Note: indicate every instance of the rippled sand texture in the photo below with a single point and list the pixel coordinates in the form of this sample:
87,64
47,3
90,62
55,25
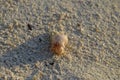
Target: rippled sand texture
92,26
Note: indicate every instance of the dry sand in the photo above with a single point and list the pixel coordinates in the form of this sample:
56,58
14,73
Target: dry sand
92,26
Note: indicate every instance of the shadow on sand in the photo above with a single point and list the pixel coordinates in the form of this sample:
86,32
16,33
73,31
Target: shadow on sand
33,50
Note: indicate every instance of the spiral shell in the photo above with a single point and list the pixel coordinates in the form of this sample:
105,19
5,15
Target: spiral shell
58,43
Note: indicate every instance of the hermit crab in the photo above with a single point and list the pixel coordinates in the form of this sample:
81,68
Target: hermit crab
58,42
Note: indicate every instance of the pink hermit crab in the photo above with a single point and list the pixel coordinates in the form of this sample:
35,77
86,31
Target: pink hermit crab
58,43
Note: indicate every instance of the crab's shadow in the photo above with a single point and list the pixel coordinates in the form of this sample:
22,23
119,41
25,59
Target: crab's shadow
33,50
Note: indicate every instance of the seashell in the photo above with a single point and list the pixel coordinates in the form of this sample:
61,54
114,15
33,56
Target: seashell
58,43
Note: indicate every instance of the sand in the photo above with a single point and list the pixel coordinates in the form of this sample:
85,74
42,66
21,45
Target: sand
92,26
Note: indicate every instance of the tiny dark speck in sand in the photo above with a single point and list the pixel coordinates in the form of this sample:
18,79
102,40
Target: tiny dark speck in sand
52,63
40,39
30,27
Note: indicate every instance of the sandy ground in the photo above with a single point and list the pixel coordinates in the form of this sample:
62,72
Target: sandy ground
92,26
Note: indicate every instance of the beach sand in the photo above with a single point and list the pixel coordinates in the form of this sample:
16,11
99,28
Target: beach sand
92,27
